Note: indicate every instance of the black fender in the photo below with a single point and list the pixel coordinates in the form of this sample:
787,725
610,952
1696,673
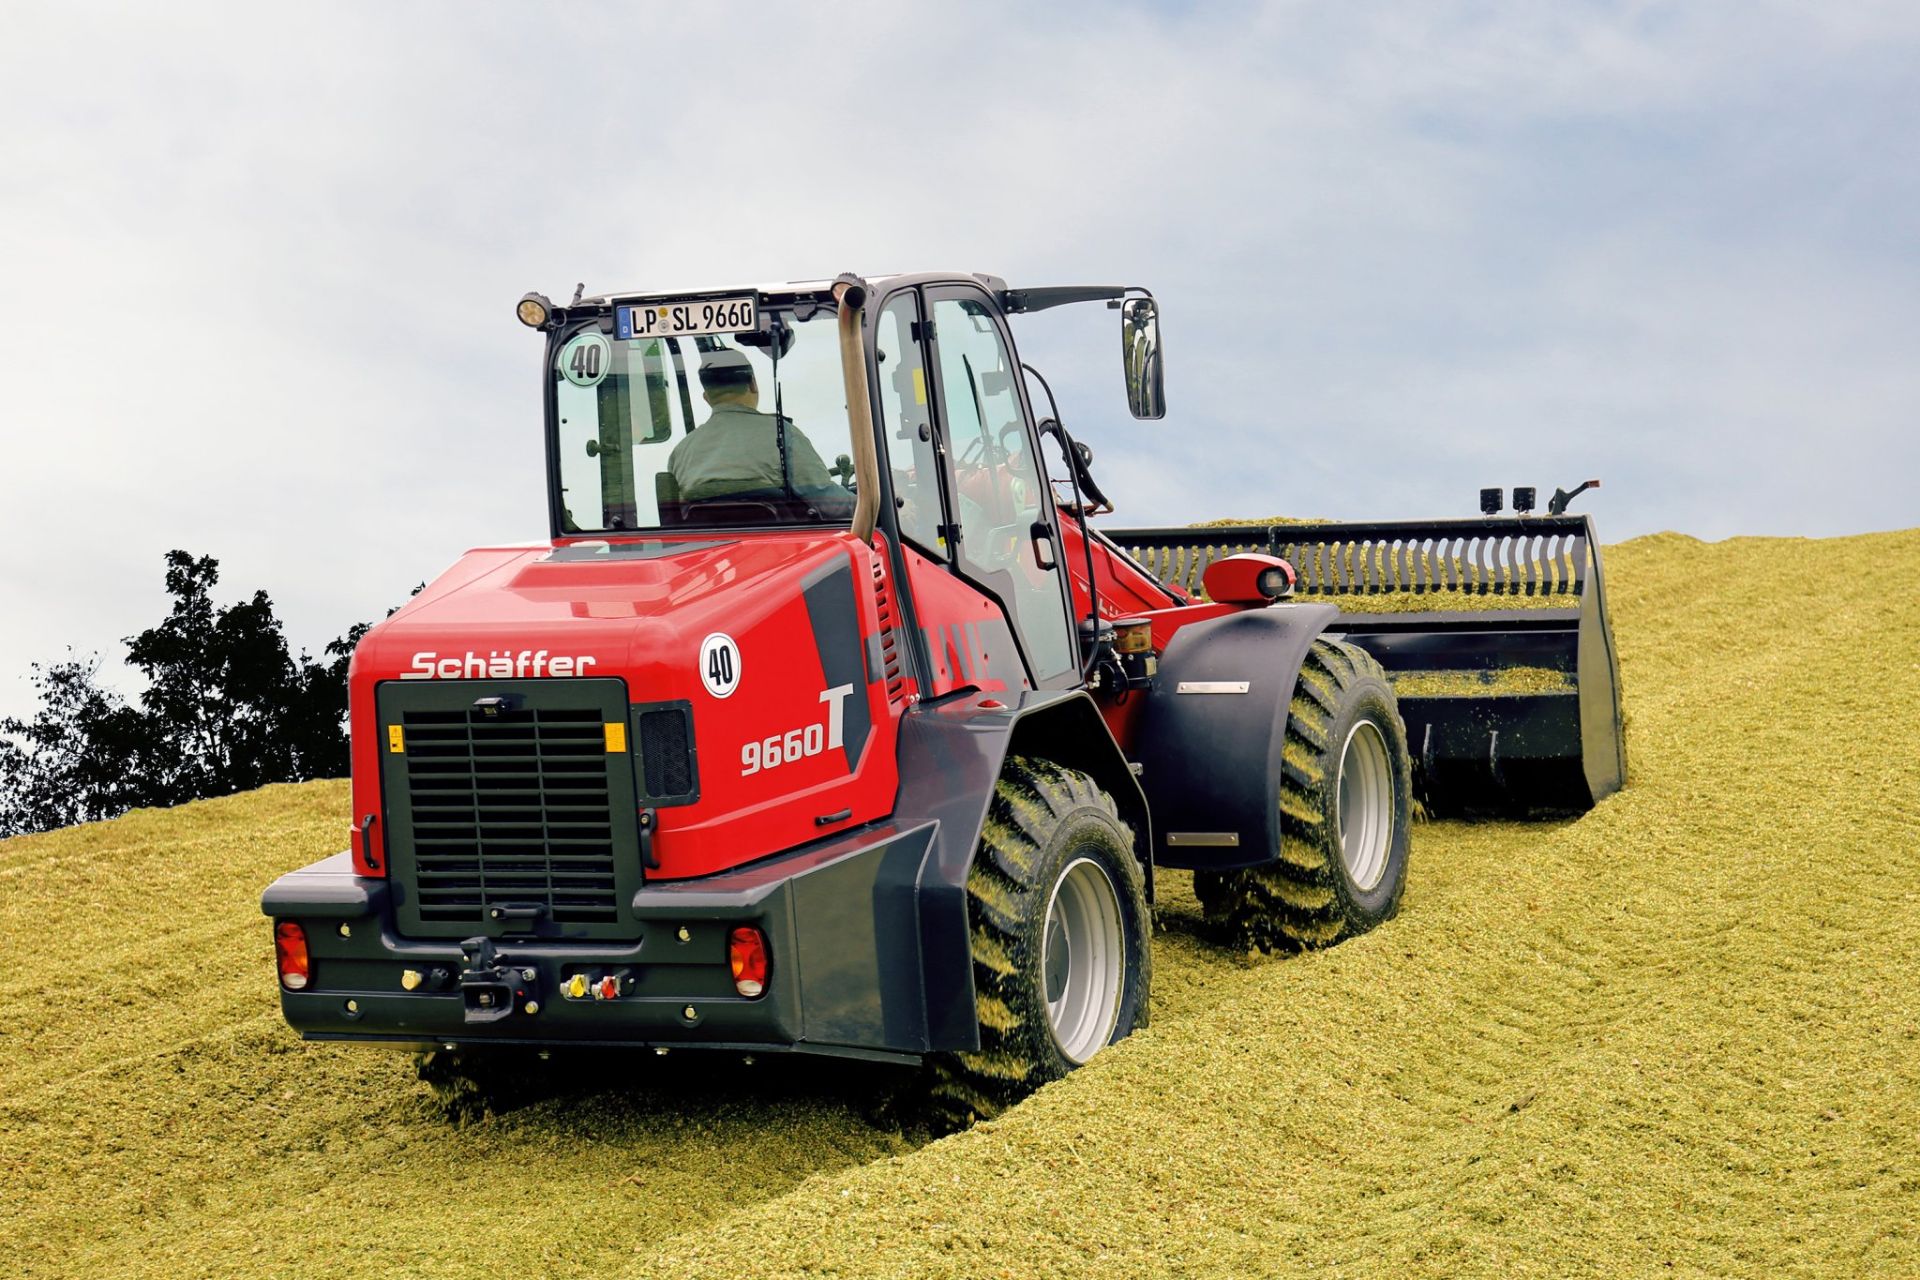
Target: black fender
951,753
1212,730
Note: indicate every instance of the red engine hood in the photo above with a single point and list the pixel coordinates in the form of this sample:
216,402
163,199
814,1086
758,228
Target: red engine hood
640,611
618,607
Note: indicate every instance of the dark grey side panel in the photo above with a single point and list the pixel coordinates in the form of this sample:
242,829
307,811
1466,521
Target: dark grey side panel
858,937
1211,759
950,758
835,616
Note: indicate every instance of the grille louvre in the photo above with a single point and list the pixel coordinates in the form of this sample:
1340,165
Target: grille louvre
511,810
890,665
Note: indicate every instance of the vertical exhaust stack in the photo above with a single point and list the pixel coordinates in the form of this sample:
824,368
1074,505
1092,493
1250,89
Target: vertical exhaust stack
850,292
1494,633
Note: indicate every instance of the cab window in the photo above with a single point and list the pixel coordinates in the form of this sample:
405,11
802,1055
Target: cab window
998,493
728,429
906,422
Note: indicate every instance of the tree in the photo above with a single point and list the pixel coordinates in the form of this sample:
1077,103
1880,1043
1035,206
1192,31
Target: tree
227,707
53,772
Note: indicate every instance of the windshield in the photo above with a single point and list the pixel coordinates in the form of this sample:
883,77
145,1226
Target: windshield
735,429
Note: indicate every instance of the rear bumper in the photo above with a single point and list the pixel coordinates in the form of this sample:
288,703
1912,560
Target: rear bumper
841,919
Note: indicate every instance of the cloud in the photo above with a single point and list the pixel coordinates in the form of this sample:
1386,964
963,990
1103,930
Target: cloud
262,259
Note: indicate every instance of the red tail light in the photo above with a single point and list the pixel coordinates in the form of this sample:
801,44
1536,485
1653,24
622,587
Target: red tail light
747,953
290,951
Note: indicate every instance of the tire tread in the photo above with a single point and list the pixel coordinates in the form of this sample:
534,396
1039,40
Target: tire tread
1031,800
1291,904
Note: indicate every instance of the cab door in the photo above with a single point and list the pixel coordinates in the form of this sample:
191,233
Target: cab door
999,508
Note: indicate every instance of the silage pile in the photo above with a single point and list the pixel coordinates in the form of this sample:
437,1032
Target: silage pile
1679,1036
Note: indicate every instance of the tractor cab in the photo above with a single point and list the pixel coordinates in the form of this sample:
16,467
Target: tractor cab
728,411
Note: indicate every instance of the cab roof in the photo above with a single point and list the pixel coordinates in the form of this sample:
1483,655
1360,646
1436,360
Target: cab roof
803,288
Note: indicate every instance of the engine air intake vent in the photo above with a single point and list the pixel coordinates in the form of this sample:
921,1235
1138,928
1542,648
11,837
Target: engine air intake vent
667,772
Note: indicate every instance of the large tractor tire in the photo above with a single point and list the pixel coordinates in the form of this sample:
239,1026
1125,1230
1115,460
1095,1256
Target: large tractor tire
1062,957
1346,800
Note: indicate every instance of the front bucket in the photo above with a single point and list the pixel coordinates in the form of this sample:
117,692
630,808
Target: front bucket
1494,633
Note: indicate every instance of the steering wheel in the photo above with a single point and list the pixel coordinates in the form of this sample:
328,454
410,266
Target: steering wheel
976,453
1000,438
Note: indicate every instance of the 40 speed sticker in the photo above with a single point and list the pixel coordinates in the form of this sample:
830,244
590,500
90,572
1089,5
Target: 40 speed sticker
586,359
720,664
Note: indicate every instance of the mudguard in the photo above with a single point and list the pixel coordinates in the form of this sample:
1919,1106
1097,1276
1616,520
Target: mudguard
1212,731
951,753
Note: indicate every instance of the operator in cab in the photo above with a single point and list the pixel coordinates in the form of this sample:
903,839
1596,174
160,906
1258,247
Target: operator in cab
742,453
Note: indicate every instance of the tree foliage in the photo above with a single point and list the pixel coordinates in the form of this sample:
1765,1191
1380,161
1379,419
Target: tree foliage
227,707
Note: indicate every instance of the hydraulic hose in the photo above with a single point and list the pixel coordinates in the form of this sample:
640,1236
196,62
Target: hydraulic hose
850,292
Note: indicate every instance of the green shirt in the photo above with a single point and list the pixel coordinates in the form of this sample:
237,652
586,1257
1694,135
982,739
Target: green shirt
737,450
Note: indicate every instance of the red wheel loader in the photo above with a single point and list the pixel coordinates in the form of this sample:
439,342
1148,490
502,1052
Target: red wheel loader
825,722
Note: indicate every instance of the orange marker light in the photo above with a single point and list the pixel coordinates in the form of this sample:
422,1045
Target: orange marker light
290,952
747,953
1133,635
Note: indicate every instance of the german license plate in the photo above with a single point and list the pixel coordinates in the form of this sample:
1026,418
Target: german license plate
687,318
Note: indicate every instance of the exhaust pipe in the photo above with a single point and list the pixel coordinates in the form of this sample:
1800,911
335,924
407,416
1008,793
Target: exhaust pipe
851,292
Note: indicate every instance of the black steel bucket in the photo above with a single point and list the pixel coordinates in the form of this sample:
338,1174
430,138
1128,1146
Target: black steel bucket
1493,631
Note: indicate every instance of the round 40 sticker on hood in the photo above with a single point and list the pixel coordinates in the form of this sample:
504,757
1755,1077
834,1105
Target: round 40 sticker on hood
720,664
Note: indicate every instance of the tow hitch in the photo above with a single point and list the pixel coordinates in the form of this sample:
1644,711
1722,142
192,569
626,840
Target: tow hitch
491,990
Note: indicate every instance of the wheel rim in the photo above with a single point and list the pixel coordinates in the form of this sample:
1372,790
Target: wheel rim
1366,805
1081,954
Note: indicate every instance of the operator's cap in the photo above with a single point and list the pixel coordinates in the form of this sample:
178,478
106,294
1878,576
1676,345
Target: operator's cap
724,367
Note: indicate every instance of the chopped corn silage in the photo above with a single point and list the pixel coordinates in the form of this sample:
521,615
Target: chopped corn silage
1443,601
1496,683
1678,1036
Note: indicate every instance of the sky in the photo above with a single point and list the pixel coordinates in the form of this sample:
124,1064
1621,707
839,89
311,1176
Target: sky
260,260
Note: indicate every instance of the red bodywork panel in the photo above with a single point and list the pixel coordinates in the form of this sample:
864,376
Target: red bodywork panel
967,635
518,612
644,620
1128,591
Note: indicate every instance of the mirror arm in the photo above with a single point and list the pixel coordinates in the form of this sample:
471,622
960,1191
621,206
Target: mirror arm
1052,426
1023,301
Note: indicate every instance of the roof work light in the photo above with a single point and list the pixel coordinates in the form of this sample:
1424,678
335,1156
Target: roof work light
534,309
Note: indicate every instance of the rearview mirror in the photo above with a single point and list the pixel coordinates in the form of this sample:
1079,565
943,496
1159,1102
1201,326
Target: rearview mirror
1140,357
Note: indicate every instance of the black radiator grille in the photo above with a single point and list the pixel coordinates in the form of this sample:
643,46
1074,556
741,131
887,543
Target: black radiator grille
511,810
